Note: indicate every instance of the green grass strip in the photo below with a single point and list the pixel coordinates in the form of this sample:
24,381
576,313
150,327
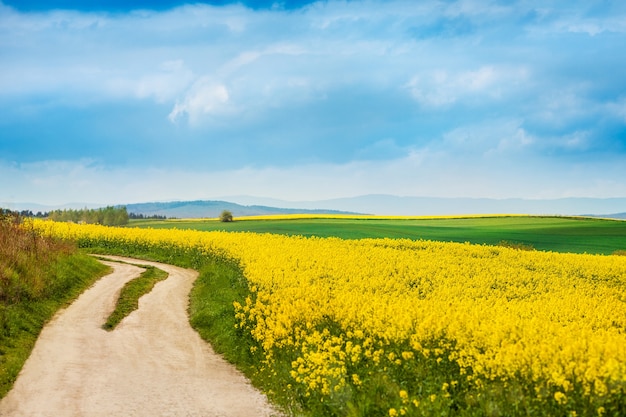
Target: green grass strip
211,314
128,300
211,310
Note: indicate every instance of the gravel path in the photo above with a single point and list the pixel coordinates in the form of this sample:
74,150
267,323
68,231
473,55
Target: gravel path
152,364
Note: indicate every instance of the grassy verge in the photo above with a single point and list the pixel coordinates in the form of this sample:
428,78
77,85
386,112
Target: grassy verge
211,310
128,300
211,314
21,321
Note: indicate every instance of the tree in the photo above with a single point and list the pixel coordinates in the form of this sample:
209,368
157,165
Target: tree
226,216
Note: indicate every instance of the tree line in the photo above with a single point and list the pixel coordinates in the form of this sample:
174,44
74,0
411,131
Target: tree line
23,213
140,216
108,216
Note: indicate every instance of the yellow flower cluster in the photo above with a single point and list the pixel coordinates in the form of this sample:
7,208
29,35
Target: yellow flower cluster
558,320
549,317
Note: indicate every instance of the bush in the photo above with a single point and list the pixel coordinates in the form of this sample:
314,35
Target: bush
226,216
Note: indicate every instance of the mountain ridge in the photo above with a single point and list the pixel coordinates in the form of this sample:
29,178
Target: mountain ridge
213,208
365,204
382,204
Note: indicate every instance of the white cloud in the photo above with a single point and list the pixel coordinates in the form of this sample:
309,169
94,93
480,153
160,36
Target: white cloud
478,8
515,141
561,106
492,138
440,88
313,43
205,97
425,172
578,140
322,65
143,54
162,84
592,26
383,149
617,108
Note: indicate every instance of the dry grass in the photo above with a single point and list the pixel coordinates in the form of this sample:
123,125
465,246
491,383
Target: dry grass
24,260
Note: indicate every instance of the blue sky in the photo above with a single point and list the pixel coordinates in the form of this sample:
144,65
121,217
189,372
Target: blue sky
119,102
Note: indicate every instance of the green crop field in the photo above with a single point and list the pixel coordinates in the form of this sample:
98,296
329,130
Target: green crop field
560,234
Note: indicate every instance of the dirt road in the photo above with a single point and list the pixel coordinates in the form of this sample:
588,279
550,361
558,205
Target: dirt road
152,364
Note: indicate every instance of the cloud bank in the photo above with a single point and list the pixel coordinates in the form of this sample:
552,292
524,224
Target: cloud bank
462,98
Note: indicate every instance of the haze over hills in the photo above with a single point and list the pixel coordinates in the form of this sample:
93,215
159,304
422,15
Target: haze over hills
397,205
418,206
366,204
213,208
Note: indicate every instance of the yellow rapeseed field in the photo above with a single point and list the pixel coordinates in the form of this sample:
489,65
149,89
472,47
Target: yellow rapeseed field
345,307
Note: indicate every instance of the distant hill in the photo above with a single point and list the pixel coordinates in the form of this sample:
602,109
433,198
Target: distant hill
426,206
609,216
213,208
366,204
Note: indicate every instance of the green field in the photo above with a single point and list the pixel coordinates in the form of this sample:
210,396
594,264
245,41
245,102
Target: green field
560,234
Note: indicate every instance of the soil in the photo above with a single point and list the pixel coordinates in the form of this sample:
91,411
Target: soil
152,364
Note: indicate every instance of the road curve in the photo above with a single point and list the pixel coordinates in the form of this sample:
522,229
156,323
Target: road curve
152,364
